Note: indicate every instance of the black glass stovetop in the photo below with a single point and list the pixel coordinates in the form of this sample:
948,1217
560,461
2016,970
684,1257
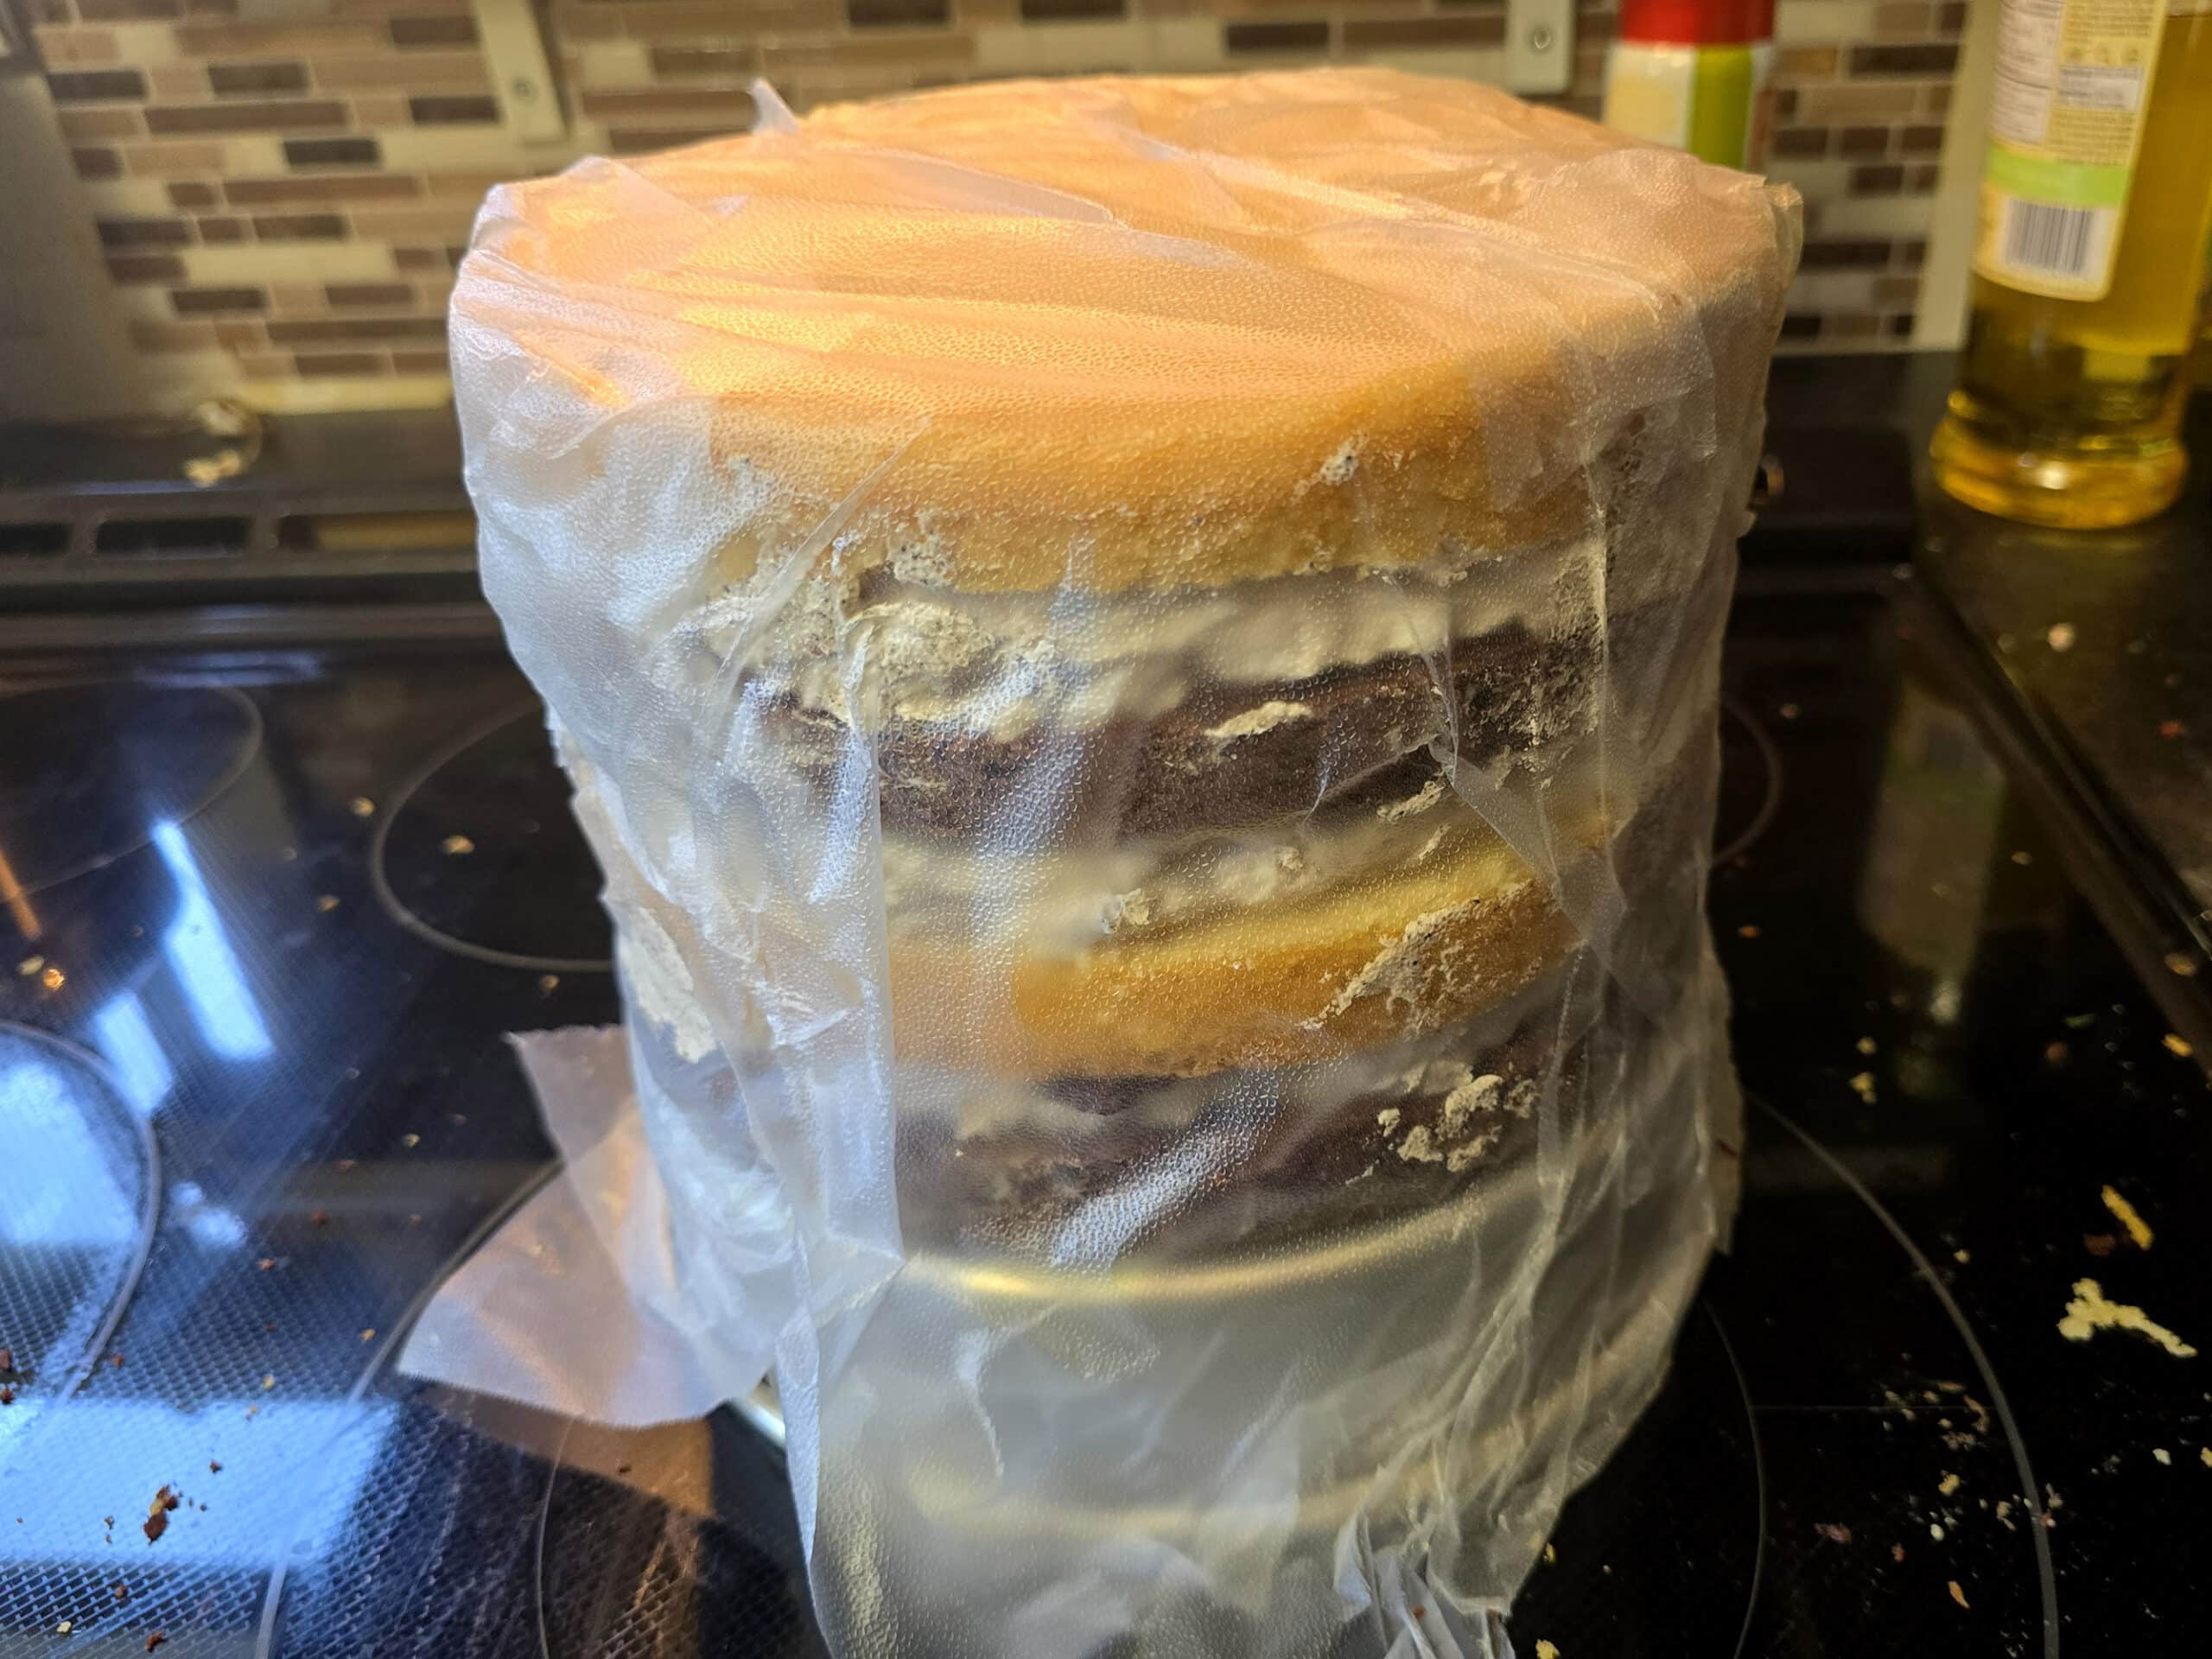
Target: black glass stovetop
265,914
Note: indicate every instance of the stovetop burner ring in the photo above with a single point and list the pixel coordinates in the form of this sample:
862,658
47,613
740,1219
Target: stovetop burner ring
157,776
400,912
1770,799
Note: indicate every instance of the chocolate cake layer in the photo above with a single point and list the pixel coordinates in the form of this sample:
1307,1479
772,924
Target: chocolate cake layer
1228,756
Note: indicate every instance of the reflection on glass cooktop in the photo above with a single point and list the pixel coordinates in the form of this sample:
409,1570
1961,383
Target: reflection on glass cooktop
261,942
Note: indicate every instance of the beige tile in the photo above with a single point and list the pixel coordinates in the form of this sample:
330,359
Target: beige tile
1903,19
411,72
183,82
70,47
1846,101
281,39
297,300
373,111
306,265
93,124
180,158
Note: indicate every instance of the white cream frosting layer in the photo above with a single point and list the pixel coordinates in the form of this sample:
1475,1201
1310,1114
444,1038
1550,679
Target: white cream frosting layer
999,664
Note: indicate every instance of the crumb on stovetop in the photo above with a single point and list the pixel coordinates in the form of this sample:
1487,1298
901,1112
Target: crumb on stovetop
2124,1213
156,1640
1834,1531
2181,1047
1957,1594
2088,1312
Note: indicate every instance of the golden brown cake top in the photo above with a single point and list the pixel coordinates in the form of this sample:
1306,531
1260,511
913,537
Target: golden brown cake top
1117,332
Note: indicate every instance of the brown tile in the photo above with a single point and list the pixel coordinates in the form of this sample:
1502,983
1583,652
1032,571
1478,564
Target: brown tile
137,269
258,78
1895,290
1935,100
239,334
1951,17
298,299
280,40
1365,34
390,297
95,86
445,109
1785,103
700,102
288,115
643,141
1246,39
434,31
1845,101
47,11
418,259
203,302
142,232
1869,254
402,71
300,227
1920,141
683,62
319,331
1800,325
1903,19
266,365
1877,180
421,362
150,336
1922,178
1930,58
180,158
129,11
1808,62
1860,142
881,13
1799,142
321,186
91,162
1900,326
402,8
1850,324
1913,253
177,82
1045,10
320,363
219,228
89,126
194,196
333,152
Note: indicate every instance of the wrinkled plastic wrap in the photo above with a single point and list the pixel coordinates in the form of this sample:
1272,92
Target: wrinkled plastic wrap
1141,658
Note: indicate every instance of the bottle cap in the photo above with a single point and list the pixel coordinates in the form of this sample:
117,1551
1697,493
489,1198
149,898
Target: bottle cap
1696,22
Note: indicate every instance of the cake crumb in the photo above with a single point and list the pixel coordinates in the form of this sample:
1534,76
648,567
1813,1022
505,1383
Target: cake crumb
2164,1457
30,965
456,846
327,903
1834,1531
1896,1552
1748,931
2124,1212
1935,1530
361,807
2004,1516
1415,1147
1551,1553
1957,1594
2180,966
1265,718
2181,1047
2088,1312
1949,1484
1546,1649
1866,1044
1863,1086
2060,636
1962,1256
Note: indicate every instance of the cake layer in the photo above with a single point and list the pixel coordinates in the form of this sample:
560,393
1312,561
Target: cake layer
1097,335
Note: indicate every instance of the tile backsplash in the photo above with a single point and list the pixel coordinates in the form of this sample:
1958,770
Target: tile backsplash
281,200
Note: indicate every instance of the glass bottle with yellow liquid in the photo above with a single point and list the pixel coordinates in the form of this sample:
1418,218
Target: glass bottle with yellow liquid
2096,204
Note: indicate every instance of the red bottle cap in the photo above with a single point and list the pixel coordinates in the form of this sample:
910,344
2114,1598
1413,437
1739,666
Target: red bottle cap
1696,22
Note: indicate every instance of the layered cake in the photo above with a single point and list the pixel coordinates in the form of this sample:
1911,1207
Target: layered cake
1179,614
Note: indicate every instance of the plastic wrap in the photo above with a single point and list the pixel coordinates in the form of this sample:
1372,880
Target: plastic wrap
1141,659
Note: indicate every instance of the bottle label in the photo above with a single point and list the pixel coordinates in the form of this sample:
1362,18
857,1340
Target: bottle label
2065,119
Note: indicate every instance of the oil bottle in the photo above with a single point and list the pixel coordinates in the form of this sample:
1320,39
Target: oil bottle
2089,263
